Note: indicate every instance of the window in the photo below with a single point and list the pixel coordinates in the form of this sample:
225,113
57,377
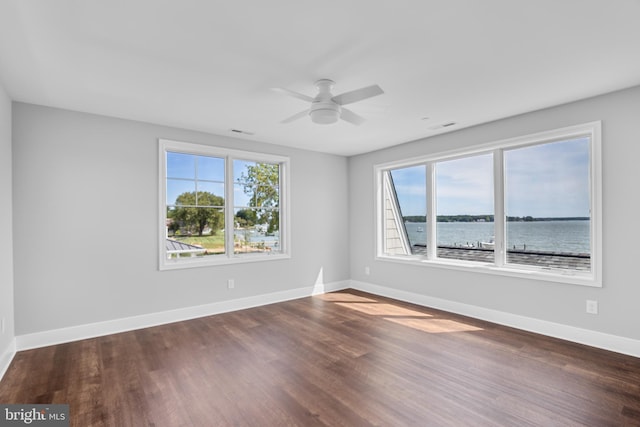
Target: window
220,206
527,207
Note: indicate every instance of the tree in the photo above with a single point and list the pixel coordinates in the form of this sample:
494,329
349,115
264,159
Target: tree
246,217
197,214
261,182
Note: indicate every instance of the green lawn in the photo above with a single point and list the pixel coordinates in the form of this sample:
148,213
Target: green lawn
211,243
215,244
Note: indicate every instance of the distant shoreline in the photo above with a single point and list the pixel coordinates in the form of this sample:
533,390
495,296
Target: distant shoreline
563,236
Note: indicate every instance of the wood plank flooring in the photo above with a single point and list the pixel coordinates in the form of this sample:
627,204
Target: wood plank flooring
341,359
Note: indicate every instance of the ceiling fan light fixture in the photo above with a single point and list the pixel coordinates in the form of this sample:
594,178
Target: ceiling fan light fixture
324,112
324,116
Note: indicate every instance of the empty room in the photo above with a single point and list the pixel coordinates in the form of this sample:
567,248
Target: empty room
327,213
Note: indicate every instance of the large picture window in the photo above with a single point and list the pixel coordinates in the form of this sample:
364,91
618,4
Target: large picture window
528,207
220,206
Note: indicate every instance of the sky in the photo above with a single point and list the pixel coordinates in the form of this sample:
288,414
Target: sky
185,172
547,180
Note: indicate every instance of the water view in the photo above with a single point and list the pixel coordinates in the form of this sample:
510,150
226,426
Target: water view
571,236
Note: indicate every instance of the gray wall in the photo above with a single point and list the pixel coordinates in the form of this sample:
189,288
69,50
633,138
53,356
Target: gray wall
85,222
6,229
553,302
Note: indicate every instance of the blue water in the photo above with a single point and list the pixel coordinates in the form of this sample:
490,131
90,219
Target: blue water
559,236
255,236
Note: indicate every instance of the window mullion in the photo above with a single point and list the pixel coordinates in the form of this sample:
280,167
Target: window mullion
499,213
432,239
229,218
195,182
164,232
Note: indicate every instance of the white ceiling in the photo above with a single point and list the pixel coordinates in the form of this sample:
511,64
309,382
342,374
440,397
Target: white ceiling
209,65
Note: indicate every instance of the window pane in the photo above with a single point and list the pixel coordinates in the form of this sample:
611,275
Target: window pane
210,193
547,204
266,196
210,169
256,184
410,188
176,187
256,231
253,173
240,198
194,232
240,170
256,195
181,165
464,208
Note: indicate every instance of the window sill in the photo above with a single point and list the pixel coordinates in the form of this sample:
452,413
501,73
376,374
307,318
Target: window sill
219,260
558,276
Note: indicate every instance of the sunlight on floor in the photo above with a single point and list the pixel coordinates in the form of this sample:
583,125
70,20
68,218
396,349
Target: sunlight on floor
434,326
340,297
398,314
383,309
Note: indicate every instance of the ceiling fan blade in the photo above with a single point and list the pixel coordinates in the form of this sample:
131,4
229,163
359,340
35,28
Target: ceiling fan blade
357,95
292,93
296,116
351,117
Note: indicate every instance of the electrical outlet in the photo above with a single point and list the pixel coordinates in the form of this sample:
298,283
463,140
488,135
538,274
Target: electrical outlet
231,284
367,271
592,307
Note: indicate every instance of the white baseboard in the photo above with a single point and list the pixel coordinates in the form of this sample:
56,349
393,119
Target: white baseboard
58,336
75,333
569,333
6,357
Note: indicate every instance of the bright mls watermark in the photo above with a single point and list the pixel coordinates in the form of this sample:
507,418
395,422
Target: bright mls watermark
34,415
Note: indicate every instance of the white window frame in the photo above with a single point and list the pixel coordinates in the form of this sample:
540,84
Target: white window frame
229,155
593,278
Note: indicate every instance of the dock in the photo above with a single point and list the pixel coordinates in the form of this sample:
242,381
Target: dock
555,260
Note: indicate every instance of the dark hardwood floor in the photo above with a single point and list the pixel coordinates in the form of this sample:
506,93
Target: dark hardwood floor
340,359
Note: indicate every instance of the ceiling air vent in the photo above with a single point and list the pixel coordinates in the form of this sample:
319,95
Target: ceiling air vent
243,132
442,125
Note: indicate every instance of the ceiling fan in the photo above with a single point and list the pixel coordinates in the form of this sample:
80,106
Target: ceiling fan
326,108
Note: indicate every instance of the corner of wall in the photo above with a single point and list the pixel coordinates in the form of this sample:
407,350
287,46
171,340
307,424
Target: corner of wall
6,357
7,334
